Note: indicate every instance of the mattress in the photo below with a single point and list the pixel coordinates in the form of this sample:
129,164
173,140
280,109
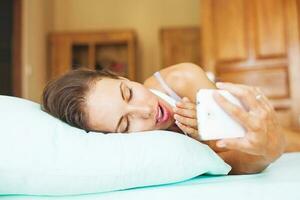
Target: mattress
281,180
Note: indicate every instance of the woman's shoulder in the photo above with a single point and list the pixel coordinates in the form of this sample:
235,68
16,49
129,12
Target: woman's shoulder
179,77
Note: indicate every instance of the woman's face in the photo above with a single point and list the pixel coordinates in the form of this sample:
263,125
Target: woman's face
121,105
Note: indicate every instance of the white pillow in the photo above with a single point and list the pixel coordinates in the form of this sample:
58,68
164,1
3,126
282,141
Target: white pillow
40,155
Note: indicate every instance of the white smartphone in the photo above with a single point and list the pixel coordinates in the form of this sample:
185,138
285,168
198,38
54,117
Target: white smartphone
213,122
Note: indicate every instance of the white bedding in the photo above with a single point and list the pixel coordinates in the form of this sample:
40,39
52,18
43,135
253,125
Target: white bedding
279,181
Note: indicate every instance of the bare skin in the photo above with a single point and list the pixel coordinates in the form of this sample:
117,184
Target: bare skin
126,106
249,155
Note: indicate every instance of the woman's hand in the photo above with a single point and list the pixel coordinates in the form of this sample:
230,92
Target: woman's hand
186,117
264,135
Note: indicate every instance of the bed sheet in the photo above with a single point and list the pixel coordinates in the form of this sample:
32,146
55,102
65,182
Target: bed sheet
281,180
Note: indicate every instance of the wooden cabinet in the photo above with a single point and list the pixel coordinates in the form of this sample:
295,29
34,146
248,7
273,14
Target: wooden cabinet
180,44
257,43
96,50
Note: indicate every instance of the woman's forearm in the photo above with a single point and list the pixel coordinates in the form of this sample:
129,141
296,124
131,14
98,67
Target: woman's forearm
243,163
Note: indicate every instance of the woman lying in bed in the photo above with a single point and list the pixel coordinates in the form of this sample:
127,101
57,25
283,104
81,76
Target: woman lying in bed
102,101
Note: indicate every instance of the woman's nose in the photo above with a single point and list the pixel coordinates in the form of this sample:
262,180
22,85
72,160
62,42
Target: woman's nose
142,111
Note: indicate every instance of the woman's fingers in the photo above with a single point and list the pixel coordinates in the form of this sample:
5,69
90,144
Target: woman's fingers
190,131
237,113
251,97
263,133
264,100
239,144
186,117
186,121
185,112
186,104
233,144
244,93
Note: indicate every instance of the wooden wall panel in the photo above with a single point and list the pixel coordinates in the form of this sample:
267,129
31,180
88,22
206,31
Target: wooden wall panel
60,56
274,83
270,28
256,42
180,44
229,24
292,8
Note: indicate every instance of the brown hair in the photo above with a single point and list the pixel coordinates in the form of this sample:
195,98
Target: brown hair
64,97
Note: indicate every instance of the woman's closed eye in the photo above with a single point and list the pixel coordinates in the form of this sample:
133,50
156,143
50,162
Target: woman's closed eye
128,97
127,126
129,94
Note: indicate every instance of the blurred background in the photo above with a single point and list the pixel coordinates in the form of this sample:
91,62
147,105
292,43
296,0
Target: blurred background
253,42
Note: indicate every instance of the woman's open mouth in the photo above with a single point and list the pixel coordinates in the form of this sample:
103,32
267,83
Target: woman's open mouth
162,114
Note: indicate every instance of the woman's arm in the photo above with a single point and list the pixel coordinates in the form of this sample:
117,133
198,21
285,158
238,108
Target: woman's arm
264,140
186,79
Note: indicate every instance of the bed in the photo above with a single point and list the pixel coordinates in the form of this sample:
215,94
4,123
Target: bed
281,180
